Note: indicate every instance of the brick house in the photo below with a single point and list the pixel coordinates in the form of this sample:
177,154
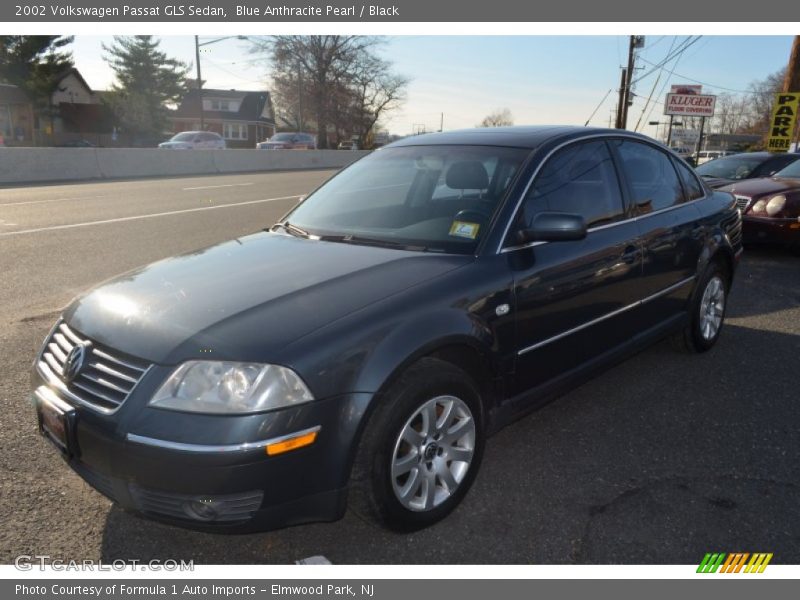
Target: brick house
242,118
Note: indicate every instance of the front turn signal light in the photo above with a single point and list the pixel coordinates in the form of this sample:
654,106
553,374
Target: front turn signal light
292,442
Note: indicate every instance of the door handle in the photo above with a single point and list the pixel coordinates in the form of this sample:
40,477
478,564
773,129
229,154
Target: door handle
630,254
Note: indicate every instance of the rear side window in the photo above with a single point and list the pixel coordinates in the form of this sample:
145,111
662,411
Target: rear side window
775,164
652,179
579,179
691,185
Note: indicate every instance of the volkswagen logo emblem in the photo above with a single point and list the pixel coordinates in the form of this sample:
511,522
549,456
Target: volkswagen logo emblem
75,360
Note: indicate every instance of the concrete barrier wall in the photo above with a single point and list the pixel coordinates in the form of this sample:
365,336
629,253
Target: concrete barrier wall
31,165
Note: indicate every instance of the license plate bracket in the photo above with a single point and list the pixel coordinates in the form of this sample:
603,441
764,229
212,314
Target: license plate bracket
57,422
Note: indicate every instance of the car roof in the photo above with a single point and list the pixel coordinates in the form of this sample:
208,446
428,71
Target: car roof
518,136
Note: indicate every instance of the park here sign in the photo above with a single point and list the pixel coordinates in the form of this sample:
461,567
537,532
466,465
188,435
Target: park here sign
784,115
690,105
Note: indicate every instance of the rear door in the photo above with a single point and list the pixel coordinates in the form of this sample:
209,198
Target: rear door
663,192
573,298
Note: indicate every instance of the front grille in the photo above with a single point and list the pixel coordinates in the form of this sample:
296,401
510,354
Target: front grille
742,202
229,507
106,378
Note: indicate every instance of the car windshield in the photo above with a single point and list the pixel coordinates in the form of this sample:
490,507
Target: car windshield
730,167
793,170
183,137
438,198
281,137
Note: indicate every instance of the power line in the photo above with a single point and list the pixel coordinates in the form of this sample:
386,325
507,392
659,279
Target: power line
716,87
685,45
653,89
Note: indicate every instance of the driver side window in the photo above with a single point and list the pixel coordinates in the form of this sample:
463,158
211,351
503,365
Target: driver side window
579,179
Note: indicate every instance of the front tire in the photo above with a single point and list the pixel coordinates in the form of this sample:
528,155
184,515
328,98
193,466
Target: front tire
421,449
706,311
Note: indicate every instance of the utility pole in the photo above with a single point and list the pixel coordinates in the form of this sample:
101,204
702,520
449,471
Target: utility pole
625,95
441,123
199,80
621,100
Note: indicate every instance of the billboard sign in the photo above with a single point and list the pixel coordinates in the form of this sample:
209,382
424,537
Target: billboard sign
690,105
686,136
781,127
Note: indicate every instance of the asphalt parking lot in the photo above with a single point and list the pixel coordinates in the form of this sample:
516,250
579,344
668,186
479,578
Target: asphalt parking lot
659,460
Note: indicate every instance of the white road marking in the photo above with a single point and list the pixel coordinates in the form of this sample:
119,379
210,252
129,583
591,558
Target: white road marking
148,216
54,200
213,187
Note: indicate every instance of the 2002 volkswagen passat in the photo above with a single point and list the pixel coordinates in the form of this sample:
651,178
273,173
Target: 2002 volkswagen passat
364,347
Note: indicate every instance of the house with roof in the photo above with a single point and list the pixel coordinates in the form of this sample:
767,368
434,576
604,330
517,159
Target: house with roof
78,111
243,118
16,116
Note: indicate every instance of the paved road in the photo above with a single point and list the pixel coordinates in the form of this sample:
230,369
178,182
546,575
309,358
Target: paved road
659,460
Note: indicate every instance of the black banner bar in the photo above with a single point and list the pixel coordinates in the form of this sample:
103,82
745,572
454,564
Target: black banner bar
341,11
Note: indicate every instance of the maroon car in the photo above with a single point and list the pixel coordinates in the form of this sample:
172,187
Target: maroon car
770,207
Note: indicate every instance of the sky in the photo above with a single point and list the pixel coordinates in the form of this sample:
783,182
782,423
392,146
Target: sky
540,79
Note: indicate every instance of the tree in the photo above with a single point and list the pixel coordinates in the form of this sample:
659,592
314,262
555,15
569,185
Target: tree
499,118
330,80
147,82
762,96
34,62
376,91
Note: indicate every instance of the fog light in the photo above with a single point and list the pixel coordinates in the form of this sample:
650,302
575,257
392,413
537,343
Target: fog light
201,509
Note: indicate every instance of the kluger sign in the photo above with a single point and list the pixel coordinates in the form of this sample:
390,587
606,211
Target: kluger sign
690,105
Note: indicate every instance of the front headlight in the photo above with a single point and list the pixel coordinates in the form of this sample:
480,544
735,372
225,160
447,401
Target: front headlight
230,388
776,204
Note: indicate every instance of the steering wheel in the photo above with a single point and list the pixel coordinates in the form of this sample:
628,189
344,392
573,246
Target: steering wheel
472,214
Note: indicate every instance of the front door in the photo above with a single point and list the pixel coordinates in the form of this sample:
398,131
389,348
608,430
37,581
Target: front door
573,299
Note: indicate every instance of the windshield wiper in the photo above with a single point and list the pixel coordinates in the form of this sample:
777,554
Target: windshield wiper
292,229
368,241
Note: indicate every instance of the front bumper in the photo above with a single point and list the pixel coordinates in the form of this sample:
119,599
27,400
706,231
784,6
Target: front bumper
165,464
770,230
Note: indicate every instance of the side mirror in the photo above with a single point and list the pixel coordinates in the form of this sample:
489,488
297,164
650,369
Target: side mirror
553,227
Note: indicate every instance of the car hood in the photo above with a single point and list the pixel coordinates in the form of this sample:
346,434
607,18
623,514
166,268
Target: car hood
759,187
717,182
245,299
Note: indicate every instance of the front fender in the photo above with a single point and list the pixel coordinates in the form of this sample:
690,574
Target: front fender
420,337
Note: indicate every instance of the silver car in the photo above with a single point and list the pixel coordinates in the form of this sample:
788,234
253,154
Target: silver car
194,140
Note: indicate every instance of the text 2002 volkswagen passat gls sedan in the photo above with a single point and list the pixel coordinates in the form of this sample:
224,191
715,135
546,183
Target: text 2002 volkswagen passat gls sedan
363,348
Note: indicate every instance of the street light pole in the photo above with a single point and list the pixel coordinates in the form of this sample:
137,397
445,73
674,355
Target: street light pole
199,80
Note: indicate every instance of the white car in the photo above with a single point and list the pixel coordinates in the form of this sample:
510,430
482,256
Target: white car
194,140
708,155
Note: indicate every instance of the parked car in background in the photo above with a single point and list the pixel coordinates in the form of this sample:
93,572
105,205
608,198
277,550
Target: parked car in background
194,140
682,151
705,156
348,145
747,165
77,144
770,207
363,348
289,141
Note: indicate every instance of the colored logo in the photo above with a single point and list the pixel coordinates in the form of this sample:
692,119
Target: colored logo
738,562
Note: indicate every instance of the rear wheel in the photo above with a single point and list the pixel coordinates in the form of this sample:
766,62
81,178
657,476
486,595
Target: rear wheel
706,311
421,449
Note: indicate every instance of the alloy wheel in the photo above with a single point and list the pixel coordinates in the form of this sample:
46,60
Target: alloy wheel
433,453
